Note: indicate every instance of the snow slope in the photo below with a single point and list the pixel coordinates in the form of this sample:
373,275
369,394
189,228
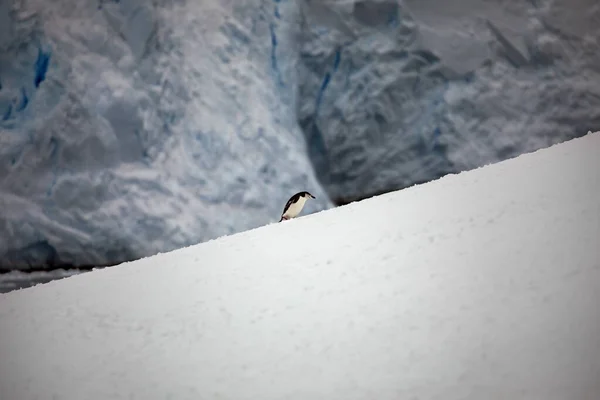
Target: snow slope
129,127
491,293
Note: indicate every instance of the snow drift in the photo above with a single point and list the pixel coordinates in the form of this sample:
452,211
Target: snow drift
492,293
131,127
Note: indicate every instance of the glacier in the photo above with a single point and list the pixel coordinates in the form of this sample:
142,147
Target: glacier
398,93
129,128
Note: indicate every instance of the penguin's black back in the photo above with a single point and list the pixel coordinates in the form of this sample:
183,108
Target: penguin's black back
293,200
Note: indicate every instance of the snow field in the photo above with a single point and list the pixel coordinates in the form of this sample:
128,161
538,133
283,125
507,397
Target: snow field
484,284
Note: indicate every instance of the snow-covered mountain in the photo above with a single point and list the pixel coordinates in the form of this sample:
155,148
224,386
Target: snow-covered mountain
491,294
130,127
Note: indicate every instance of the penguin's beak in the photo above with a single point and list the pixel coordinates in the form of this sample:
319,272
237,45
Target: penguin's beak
312,196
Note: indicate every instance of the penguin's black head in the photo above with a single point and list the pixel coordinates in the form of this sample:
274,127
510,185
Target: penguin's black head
307,195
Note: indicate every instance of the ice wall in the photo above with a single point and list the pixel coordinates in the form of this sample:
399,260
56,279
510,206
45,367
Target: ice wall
396,93
130,127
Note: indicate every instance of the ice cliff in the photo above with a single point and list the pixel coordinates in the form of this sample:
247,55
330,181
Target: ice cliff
396,93
131,127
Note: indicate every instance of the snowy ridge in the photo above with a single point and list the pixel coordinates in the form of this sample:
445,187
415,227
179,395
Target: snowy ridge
490,294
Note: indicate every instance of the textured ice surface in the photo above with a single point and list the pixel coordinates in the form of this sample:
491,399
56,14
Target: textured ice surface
409,91
130,127
490,294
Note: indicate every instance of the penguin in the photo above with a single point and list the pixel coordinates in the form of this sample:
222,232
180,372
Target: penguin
294,205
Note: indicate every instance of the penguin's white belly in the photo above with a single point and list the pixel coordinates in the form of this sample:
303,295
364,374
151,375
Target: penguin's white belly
295,208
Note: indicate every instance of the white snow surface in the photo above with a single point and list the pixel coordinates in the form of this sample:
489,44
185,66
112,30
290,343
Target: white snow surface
491,293
130,127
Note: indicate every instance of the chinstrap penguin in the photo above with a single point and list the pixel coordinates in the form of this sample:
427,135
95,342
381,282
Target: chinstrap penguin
294,205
